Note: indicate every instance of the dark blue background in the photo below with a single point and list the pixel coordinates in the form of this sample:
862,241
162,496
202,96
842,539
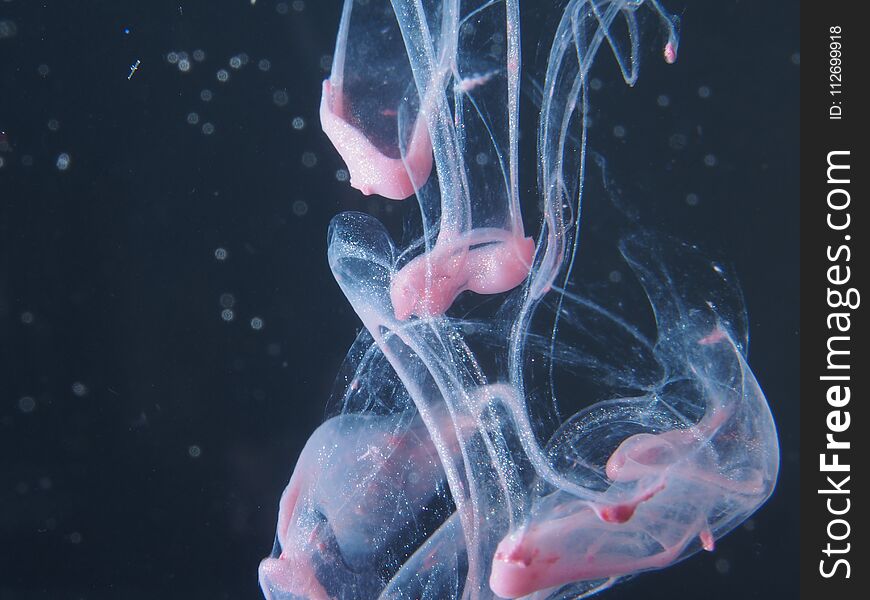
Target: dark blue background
108,279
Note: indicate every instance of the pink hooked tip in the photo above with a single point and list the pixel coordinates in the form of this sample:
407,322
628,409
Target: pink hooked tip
371,171
670,53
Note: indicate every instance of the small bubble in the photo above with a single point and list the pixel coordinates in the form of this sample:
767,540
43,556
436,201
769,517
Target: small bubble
281,8
723,566
194,451
207,128
221,254
273,349
298,5
26,404
75,537
264,65
677,141
309,159
206,95
692,199
192,118
235,62
198,55
481,158
663,101
342,175
45,483
227,300
595,84
298,123
256,323
795,58
222,75
227,315
280,98
619,131
8,29
63,161
704,92
184,65
615,276
43,70
27,317
53,124
172,58
300,208
79,389
2,162
710,160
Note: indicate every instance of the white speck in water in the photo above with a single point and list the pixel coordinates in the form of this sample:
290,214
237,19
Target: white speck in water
280,97
309,159
300,208
227,300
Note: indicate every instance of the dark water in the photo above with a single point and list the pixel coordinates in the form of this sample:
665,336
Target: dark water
169,328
